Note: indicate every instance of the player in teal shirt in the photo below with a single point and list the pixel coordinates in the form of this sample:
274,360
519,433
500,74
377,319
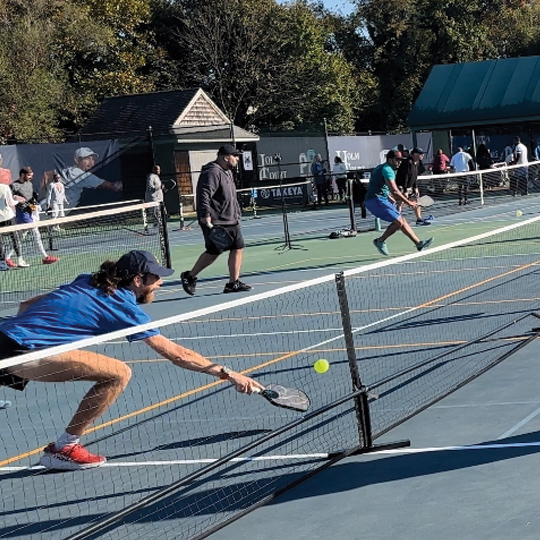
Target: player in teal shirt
381,199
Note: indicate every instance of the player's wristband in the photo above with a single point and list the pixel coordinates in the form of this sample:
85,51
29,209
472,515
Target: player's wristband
225,373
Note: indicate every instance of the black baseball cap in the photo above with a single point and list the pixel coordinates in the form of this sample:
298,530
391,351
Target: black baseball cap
229,150
417,151
141,262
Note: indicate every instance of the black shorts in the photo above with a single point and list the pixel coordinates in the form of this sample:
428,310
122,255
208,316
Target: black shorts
9,348
235,232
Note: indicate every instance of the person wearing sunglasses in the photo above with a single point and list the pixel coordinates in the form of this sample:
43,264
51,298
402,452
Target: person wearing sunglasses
382,196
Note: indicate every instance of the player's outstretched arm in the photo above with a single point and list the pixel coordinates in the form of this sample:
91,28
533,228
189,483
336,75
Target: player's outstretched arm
188,359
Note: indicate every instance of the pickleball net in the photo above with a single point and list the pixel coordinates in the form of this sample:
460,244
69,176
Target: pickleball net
187,454
79,240
459,192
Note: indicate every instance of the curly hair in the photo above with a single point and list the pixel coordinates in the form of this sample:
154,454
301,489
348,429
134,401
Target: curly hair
108,278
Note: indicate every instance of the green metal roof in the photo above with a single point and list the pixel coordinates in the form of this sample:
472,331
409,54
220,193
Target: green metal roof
490,92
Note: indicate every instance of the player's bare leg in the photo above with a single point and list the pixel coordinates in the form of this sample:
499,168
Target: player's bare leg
407,230
235,264
204,261
110,375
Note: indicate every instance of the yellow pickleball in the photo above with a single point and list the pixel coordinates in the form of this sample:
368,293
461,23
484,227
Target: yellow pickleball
519,213
321,366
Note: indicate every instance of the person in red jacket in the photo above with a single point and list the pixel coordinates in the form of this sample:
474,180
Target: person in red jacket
440,162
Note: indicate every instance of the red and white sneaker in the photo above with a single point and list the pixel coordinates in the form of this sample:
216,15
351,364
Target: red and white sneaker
49,259
11,263
72,457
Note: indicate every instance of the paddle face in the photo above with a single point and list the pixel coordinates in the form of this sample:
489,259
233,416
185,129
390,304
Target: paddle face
425,201
220,238
286,398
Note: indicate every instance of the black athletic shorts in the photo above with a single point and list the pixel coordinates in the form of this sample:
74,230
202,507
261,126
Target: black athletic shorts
9,348
235,233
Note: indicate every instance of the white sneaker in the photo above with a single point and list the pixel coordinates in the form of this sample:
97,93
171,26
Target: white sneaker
3,266
22,263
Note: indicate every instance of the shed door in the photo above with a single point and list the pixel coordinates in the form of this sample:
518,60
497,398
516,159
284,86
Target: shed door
183,172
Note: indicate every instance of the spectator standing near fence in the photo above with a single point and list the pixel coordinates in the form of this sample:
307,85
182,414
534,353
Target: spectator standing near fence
217,205
5,174
520,174
27,210
319,179
155,191
462,162
329,180
7,215
56,199
340,176
440,162
536,153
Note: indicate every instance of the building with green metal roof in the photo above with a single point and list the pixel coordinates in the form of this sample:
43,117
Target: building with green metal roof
494,97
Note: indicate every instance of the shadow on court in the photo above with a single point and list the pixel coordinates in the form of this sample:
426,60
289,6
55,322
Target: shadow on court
341,478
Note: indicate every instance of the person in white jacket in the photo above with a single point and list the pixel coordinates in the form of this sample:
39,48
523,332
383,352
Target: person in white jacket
7,214
340,176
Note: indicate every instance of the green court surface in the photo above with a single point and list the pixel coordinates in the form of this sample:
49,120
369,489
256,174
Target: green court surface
314,252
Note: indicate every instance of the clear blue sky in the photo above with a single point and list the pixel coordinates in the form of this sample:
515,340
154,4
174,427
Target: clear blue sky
345,7
340,6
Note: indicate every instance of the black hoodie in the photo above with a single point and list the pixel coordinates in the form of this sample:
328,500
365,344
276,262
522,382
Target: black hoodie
216,196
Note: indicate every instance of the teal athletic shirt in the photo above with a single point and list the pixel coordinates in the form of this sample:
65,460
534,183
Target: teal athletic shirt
377,183
76,311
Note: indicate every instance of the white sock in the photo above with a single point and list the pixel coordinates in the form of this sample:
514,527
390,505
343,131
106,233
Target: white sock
65,439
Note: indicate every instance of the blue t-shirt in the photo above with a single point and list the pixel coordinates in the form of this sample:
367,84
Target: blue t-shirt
76,311
377,183
317,172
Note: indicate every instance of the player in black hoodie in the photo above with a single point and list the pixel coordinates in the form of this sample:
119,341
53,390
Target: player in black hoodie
217,205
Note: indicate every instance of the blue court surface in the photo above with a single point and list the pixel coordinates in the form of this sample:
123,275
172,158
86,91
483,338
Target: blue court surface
469,471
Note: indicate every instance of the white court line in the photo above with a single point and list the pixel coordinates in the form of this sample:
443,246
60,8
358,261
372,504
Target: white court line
512,430
182,461
396,451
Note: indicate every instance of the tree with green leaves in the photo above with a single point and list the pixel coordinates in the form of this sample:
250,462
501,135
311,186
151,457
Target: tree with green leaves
268,66
60,58
410,37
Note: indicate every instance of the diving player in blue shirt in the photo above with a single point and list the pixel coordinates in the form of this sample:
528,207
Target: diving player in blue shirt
94,304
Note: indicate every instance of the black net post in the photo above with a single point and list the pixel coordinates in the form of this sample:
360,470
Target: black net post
350,203
360,402
50,240
165,247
